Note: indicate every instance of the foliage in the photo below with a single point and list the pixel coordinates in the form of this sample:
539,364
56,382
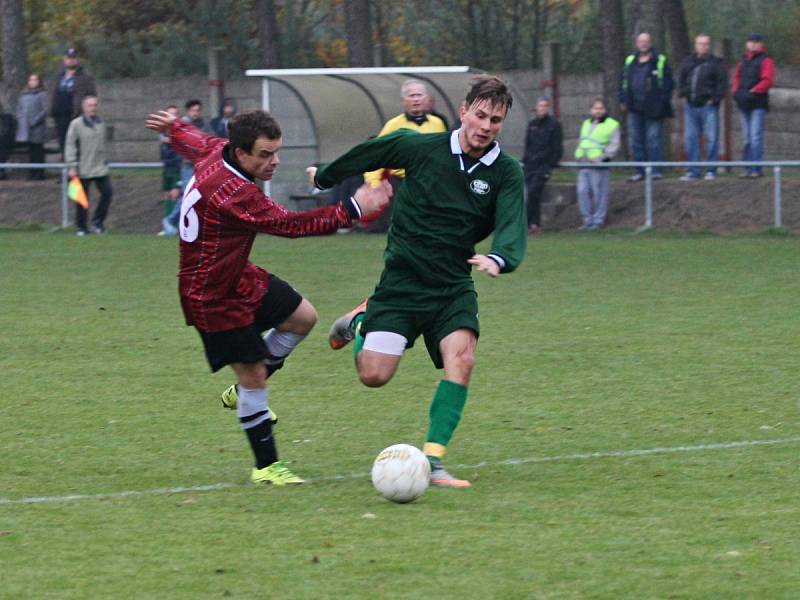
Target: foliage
150,38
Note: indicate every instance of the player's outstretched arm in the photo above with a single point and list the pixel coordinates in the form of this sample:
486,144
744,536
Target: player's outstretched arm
484,264
186,139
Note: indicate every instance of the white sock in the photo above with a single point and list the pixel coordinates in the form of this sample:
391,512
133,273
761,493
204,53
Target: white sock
252,406
281,343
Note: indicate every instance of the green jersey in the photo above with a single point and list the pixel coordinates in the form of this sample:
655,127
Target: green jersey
447,203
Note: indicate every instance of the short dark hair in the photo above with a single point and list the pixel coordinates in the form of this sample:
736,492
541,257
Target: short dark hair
192,103
171,106
245,128
599,99
491,88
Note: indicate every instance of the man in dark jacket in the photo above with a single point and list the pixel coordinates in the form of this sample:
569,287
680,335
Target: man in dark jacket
67,91
702,84
753,78
543,149
645,90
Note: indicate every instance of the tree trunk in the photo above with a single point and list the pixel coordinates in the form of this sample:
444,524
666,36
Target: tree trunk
677,30
269,33
613,27
359,33
14,53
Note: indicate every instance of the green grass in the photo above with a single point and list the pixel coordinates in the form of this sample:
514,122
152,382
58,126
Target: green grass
597,344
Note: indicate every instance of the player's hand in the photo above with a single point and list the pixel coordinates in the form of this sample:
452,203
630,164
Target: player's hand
73,172
373,199
160,121
312,175
484,264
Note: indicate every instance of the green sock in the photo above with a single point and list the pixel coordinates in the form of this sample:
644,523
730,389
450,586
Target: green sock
446,409
358,341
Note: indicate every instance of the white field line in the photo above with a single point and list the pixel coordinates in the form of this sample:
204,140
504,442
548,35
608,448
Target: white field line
508,462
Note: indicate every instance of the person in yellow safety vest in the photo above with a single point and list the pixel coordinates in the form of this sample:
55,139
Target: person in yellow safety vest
599,142
645,92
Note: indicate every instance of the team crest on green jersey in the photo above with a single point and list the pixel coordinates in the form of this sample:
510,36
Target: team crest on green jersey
479,186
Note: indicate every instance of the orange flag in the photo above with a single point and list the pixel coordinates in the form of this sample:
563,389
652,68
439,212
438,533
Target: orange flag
76,192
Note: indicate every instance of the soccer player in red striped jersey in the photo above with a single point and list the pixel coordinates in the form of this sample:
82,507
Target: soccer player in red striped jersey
247,317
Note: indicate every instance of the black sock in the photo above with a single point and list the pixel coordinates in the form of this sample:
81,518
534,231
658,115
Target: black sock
262,441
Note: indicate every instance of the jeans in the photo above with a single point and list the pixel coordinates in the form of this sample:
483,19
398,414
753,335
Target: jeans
697,121
187,172
753,136
645,140
593,196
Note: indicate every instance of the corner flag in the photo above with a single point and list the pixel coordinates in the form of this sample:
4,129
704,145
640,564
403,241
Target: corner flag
76,193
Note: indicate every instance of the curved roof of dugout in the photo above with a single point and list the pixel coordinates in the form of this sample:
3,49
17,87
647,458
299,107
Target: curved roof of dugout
324,112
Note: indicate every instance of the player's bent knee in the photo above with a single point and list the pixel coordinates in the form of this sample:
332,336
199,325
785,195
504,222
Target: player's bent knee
302,320
372,377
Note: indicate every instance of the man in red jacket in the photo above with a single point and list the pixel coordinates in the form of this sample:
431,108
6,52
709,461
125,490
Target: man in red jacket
754,76
247,318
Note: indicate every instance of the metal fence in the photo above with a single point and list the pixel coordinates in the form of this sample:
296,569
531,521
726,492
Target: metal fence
775,165
65,177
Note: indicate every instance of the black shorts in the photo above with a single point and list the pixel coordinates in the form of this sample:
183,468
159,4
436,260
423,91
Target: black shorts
244,344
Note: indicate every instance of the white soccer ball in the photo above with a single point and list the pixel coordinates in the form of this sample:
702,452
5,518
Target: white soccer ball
401,473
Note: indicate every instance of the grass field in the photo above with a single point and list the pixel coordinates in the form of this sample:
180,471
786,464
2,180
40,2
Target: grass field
632,431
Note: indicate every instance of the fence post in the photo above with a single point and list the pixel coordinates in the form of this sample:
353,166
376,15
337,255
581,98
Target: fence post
64,198
778,217
648,197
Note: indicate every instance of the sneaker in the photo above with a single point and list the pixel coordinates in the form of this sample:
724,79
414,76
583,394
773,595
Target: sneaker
81,232
98,229
657,176
275,474
689,177
635,177
166,227
342,331
534,230
710,176
441,478
230,399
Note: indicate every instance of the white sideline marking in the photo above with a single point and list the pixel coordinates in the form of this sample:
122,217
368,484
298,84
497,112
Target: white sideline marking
501,463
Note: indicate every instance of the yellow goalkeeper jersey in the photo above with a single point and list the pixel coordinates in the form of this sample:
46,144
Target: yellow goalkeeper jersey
431,124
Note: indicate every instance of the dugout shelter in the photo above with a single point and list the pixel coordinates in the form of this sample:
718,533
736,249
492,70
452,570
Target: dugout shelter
324,112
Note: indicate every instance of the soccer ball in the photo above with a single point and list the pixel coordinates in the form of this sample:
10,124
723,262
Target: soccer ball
401,473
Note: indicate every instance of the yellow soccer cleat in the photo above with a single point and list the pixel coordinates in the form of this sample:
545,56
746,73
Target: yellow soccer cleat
276,474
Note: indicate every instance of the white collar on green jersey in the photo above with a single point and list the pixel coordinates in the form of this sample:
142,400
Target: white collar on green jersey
487,159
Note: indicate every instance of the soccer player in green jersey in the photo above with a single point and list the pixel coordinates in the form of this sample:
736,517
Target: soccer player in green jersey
459,187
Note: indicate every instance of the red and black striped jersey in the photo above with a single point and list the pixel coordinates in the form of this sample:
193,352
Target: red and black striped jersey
221,212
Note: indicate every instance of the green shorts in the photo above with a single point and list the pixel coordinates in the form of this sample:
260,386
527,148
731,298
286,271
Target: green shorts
402,304
170,179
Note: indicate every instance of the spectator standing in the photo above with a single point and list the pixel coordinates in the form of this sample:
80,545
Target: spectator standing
219,124
754,76
702,83
67,91
192,116
32,122
599,142
644,92
171,183
8,128
85,155
543,150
